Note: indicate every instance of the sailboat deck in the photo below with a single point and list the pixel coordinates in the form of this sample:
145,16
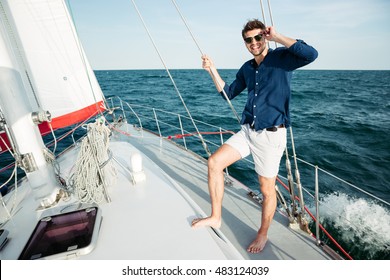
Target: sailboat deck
241,214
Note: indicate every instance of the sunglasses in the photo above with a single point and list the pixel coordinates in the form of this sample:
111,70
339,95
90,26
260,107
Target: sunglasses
258,38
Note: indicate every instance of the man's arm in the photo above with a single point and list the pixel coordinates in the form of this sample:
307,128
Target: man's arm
303,53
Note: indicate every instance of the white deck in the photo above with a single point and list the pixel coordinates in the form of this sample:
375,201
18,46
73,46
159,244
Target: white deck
241,215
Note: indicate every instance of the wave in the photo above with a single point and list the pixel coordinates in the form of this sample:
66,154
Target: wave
359,221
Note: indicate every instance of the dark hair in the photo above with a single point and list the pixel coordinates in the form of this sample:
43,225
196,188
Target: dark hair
252,24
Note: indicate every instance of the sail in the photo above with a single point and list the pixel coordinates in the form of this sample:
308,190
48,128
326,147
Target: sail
48,55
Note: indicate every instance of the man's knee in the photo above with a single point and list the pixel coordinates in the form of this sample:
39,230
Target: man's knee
222,158
267,186
213,162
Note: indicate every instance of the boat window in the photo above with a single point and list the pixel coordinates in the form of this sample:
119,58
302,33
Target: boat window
65,234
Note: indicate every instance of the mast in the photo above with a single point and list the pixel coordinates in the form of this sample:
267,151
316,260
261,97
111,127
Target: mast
17,121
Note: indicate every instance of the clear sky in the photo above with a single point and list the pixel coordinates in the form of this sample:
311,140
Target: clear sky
348,34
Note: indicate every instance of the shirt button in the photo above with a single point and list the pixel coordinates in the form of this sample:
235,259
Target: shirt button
255,94
255,117
254,106
257,84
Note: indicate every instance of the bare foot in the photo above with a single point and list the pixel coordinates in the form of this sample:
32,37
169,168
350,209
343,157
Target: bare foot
258,244
206,222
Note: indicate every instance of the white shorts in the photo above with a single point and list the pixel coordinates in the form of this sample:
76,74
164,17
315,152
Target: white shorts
266,147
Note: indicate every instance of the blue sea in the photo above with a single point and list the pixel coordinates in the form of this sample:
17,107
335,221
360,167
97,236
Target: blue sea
340,122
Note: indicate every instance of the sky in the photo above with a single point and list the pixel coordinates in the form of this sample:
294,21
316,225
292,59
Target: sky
348,34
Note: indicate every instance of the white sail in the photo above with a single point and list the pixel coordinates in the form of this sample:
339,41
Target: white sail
56,74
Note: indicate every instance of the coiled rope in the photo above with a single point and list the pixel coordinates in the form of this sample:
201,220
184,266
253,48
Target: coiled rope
93,168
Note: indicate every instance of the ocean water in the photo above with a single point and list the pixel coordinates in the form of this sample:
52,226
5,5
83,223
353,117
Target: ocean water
340,122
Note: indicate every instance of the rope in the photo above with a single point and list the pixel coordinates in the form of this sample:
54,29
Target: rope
58,139
7,147
211,72
54,138
271,17
290,183
180,136
264,19
297,176
8,212
171,78
262,12
92,166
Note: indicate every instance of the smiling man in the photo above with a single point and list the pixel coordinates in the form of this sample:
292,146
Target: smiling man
266,116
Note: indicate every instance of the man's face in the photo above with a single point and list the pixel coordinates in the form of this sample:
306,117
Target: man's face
255,42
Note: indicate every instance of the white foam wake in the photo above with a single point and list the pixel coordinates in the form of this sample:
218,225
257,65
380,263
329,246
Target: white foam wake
358,220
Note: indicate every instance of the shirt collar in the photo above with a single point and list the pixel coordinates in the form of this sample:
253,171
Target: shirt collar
253,61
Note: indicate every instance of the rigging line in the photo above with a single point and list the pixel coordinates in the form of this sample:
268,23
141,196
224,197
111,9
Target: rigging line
270,12
263,15
9,136
271,17
10,177
297,175
264,18
290,180
262,11
4,203
201,52
171,78
6,145
54,138
14,204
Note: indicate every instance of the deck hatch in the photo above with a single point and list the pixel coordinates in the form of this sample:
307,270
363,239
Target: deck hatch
68,234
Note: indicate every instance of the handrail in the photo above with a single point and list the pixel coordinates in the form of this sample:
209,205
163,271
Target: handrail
345,182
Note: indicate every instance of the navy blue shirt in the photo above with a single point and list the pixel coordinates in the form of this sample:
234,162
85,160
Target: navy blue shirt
268,85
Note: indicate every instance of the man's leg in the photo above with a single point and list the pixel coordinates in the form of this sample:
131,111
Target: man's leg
267,187
222,158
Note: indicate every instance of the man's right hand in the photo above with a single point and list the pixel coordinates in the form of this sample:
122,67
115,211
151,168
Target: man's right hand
207,63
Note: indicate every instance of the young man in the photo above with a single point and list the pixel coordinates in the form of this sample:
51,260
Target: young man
264,120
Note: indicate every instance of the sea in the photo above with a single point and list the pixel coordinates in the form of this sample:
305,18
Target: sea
340,123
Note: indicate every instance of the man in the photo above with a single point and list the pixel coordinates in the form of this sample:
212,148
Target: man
264,120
